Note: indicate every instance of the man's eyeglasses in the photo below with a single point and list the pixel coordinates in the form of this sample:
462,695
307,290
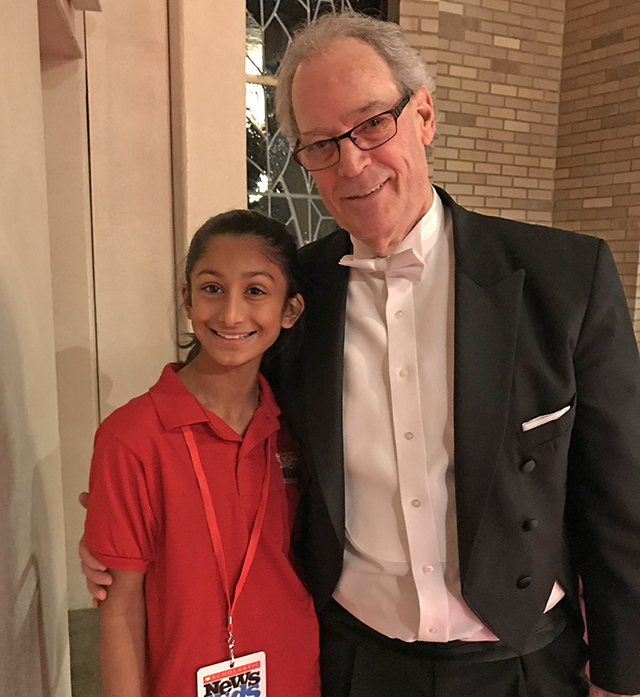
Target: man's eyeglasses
370,134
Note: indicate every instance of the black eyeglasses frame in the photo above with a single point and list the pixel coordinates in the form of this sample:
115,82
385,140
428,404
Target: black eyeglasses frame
394,111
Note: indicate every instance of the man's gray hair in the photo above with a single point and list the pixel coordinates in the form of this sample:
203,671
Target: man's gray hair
385,38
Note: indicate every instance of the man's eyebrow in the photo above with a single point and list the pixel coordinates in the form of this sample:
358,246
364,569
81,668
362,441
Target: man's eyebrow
374,107
248,274
378,105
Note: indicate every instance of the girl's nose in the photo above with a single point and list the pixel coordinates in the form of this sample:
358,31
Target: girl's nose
233,310
352,159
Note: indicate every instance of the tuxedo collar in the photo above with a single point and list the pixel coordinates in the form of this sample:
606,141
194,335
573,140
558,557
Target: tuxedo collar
322,363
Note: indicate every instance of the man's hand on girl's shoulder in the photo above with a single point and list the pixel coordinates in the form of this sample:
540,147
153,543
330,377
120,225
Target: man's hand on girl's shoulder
95,572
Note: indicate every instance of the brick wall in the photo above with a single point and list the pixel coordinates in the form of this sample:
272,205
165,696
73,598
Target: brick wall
497,66
538,104
598,158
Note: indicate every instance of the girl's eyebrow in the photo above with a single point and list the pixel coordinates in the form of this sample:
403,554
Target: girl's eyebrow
248,274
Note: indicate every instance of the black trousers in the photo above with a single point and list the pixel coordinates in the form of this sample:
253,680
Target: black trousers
357,661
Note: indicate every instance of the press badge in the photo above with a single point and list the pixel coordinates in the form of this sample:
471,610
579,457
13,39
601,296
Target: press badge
247,678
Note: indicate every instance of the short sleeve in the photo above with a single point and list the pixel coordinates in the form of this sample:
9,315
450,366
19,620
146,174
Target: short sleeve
119,528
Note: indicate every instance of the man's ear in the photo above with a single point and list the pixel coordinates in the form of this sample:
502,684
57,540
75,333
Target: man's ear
424,107
292,310
186,299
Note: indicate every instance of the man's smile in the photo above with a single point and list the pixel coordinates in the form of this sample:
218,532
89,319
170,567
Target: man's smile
367,193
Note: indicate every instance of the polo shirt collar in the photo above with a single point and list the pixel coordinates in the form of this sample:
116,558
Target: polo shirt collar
177,407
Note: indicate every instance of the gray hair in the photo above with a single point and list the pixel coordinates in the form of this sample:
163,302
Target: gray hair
385,38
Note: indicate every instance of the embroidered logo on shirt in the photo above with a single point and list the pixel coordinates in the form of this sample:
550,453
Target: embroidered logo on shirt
289,463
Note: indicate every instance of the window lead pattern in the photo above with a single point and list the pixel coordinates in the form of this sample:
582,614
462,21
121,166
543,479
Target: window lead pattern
276,184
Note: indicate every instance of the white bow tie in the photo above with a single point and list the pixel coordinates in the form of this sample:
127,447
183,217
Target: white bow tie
407,264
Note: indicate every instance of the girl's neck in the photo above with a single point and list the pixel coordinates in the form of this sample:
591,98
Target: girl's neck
232,394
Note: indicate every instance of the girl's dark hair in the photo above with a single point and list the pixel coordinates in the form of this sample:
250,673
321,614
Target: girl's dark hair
279,246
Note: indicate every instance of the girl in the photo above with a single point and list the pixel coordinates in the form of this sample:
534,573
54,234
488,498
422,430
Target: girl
193,498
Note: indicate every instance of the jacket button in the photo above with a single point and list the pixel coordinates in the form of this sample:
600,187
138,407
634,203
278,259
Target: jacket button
528,466
530,524
523,582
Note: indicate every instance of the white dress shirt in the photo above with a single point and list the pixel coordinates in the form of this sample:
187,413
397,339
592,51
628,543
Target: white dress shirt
401,570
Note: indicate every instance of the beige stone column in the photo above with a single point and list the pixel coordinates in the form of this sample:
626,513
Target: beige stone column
131,195
34,653
65,119
208,111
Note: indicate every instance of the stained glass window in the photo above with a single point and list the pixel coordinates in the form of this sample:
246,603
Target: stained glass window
276,184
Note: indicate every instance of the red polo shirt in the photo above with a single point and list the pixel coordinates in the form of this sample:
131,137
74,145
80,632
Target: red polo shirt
146,514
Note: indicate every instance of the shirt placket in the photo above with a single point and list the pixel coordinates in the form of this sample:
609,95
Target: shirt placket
411,450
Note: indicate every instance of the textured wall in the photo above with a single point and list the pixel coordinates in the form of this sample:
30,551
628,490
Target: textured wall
598,158
539,113
498,77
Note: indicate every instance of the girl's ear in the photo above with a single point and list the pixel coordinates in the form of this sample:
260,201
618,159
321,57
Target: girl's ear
292,310
186,299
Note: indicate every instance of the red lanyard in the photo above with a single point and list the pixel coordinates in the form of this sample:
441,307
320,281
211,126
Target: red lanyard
214,529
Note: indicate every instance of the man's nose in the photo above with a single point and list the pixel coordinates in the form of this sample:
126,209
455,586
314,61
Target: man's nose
352,159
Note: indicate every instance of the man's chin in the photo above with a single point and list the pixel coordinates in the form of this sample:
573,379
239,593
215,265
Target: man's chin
380,237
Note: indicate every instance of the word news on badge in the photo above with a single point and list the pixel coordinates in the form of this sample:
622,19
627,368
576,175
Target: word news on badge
246,678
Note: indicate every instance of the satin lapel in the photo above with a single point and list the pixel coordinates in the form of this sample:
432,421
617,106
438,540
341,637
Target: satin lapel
488,293
323,364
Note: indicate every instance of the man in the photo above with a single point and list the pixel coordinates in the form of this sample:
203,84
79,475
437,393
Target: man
468,397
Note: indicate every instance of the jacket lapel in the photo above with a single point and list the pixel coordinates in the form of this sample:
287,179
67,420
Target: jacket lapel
322,373
488,292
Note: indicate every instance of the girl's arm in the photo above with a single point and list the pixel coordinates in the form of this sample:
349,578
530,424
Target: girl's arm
123,620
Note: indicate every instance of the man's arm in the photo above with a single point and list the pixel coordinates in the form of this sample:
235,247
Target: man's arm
96,572
123,636
597,692
603,485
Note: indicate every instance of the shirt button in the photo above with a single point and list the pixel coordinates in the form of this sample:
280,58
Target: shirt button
408,435
427,569
399,314
403,373
433,630
416,503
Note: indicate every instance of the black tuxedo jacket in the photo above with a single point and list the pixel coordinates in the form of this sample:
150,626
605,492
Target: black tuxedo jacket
540,323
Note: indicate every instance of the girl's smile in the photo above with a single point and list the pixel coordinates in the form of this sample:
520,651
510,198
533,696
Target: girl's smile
233,337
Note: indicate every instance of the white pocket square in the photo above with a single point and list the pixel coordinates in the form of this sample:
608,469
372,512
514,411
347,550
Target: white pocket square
544,419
